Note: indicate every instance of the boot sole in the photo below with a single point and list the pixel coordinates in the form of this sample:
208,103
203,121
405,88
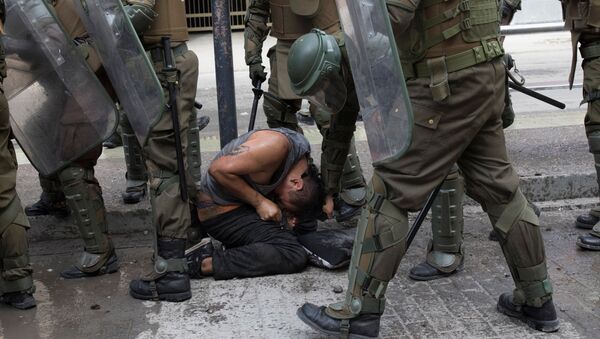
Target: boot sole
587,246
539,325
316,327
431,277
175,297
110,269
583,226
437,276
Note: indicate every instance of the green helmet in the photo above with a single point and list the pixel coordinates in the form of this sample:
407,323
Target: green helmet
315,72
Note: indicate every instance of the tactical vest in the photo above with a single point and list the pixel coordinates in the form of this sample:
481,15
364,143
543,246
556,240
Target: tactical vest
170,22
290,21
449,35
582,18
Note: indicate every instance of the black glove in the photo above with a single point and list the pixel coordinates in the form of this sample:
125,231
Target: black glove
257,73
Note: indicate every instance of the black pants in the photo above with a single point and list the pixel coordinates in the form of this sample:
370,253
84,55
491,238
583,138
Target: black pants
253,247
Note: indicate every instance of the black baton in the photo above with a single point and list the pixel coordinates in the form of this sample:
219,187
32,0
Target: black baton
536,95
257,94
171,74
414,228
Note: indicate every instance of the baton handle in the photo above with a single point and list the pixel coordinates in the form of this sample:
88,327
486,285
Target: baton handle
169,67
257,94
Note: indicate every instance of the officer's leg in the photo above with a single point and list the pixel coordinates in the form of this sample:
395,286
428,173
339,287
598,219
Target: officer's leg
52,200
378,248
194,156
591,87
84,197
279,112
169,279
16,283
444,252
134,160
339,142
491,180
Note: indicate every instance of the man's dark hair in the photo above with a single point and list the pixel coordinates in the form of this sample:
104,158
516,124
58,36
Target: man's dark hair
310,200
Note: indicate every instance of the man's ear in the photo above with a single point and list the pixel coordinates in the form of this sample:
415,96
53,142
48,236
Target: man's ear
298,184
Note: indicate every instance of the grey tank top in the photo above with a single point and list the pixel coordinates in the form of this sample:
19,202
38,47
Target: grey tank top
299,148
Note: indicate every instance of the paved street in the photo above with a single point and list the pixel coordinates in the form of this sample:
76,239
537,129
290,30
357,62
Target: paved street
548,148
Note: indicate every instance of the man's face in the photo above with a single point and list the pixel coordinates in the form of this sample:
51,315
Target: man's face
293,182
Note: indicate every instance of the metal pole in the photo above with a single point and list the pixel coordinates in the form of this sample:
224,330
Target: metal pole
224,71
533,28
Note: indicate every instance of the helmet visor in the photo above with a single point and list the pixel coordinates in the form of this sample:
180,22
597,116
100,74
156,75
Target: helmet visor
330,95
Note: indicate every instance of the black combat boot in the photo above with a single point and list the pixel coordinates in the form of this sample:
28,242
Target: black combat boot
344,211
363,326
203,121
196,254
110,266
424,271
305,118
20,300
589,242
539,318
169,286
113,141
134,194
47,205
586,221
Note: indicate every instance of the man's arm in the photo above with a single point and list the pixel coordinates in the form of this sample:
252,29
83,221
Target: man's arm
401,13
141,13
509,8
255,33
258,158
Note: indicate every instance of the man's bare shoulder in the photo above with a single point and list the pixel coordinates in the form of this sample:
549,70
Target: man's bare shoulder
277,139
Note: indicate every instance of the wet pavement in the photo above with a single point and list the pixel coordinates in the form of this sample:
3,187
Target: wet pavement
459,306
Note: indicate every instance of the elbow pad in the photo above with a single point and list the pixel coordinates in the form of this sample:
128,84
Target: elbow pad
141,16
401,13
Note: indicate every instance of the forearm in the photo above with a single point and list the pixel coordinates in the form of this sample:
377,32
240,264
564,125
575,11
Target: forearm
237,186
256,30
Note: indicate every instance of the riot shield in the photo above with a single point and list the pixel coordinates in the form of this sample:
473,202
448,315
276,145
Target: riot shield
380,87
58,108
126,63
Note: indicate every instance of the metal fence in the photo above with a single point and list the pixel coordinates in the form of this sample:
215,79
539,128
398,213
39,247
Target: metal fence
199,19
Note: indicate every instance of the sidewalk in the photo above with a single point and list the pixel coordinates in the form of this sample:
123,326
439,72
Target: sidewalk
462,306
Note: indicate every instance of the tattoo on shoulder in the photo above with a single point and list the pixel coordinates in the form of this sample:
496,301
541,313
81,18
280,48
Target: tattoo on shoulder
237,150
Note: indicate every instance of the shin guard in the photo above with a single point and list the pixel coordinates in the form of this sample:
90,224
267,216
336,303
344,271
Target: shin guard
378,248
517,227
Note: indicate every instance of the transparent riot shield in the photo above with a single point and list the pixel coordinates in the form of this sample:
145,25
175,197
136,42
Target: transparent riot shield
380,87
58,108
126,63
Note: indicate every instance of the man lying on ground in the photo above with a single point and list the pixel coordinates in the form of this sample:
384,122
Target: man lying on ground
255,186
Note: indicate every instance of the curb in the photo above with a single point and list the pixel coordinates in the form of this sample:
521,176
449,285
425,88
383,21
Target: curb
573,191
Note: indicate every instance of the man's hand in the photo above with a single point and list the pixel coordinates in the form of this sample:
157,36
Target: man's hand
328,207
268,210
257,73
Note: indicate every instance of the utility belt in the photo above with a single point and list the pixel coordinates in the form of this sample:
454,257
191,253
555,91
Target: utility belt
488,50
156,54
